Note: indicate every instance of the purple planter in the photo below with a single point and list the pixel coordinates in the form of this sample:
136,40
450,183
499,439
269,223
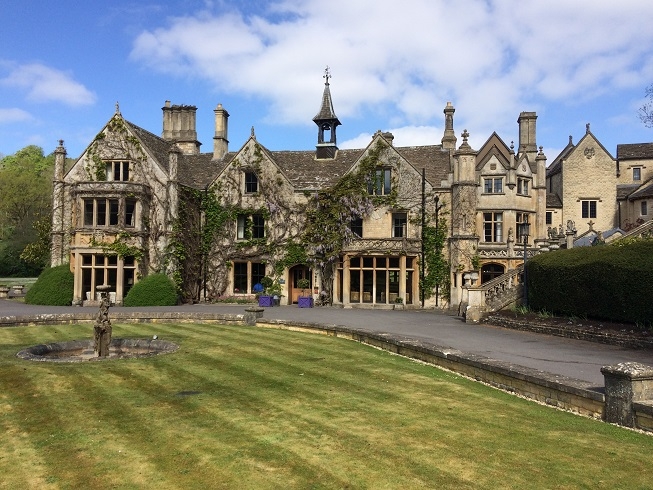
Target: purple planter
265,301
305,302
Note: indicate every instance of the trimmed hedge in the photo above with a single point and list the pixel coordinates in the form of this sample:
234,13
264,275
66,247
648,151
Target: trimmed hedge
610,282
153,290
54,287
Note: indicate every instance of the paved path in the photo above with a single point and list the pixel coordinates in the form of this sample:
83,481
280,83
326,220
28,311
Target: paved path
573,358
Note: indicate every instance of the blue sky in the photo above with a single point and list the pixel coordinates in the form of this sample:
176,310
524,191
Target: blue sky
65,64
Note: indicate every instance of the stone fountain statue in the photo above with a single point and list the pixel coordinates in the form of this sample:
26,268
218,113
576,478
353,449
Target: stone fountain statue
102,328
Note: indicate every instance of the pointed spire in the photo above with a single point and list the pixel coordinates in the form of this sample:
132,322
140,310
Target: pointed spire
326,121
326,110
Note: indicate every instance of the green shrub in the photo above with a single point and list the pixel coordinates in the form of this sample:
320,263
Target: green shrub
53,287
154,290
609,282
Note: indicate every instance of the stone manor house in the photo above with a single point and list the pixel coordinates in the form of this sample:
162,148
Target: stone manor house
135,203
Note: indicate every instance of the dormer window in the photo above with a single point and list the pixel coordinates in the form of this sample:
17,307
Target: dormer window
251,183
117,171
637,174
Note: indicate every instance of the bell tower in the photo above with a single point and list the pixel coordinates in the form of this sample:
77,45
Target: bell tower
326,121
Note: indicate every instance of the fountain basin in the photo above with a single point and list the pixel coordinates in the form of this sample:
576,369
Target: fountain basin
82,350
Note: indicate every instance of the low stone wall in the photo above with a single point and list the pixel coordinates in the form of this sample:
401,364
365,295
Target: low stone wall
579,333
559,391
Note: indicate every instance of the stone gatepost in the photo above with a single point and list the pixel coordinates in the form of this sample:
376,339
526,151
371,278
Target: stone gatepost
252,314
625,383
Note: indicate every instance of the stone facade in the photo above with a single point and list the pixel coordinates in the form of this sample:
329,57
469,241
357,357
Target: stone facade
597,192
119,212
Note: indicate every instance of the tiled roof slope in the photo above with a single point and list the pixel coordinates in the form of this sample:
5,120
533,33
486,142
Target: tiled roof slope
553,200
156,145
634,151
433,159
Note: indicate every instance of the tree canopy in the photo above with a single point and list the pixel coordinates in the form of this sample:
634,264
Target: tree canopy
26,190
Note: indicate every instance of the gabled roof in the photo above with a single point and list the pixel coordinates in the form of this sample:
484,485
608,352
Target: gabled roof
494,146
635,151
157,146
556,165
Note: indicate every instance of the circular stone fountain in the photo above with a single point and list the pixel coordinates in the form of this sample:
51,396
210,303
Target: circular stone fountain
101,347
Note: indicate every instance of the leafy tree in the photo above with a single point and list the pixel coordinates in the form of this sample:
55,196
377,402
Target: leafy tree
646,111
26,190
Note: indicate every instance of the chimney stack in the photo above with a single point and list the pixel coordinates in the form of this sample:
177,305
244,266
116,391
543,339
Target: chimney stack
220,141
449,137
526,123
179,127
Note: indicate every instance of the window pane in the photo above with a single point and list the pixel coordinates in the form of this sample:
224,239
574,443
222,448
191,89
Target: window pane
240,227
644,207
258,226
101,212
398,224
113,212
637,173
125,171
251,182
116,170
258,273
108,171
488,186
357,227
88,212
240,277
130,208
498,185
387,182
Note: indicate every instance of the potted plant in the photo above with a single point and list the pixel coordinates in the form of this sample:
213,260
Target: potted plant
304,301
264,295
399,303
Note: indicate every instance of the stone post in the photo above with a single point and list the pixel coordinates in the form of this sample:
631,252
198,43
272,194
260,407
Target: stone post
625,383
252,314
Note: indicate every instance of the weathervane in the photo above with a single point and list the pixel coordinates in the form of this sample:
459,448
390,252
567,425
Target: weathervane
327,74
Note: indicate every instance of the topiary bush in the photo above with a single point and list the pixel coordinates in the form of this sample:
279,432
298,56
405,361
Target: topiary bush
153,290
53,287
611,282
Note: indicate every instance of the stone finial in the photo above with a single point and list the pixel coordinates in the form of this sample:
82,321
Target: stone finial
587,128
252,133
118,108
571,140
512,147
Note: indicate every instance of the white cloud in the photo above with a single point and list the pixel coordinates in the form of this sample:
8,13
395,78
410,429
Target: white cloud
491,58
45,84
14,115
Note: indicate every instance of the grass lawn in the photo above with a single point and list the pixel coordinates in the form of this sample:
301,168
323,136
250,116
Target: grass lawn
241,407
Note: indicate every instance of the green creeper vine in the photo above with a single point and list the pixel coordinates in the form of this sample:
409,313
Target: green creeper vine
119,247
436,275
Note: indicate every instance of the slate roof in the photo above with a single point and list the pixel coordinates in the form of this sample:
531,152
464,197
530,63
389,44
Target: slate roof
645,192
432,158
156,145
624,190
635,151
553,200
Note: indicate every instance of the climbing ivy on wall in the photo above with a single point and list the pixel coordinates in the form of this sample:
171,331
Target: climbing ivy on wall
436,275
330,212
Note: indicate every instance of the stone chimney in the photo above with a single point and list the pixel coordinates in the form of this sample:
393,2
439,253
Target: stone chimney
179,127
389,137
449,137
526,123
220,141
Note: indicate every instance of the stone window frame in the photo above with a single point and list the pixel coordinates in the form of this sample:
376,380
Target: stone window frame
399,224
589,208
381,182
117,167
523,186
251,182
493,185
107,212
493,226
637,174
245,274
643,208
250,226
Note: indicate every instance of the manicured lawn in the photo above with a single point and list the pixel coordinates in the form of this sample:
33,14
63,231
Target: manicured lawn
241,407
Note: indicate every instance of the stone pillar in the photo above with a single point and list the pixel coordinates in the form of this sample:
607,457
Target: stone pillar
252,314
625,383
